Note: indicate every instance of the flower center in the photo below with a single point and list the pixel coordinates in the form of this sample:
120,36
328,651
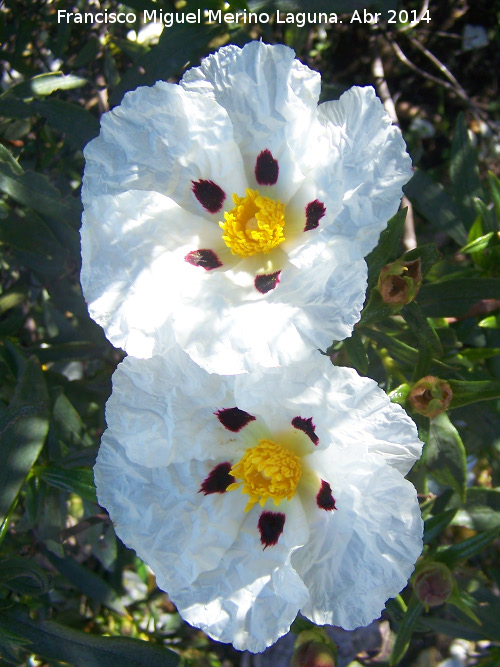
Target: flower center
254,225
267,470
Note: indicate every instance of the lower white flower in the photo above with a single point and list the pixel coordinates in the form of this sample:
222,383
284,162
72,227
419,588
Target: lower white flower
254,497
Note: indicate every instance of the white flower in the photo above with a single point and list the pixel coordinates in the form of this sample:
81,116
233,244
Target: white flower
235,211
258,495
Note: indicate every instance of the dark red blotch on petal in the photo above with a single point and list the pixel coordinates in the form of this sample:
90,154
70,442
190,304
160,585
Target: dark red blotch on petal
234,419
307,426
218,479
266,283
315,210
325,499
270,527
266,168
205,258
209,194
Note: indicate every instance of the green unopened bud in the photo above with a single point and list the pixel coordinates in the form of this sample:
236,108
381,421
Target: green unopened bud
430,396
313,648
433,584
399,282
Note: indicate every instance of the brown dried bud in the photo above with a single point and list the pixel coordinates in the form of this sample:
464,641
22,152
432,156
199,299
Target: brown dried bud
433,584
430,396
313,648
399,282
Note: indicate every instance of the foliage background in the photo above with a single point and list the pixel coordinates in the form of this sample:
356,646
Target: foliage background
70,592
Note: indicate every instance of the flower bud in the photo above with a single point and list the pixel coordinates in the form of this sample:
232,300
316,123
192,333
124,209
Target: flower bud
433,584
313,649
430,396
399,282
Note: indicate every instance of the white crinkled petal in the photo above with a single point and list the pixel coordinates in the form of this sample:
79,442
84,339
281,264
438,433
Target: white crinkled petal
362,553
254,595
367,162
160,513
162,410
271,99
161,138
133,249
348,410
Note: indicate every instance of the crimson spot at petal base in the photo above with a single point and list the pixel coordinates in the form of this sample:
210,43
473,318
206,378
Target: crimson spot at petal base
315,210
307,426
266,168
270,526
218,480
265,284
205,258
209,194
234,419
325,499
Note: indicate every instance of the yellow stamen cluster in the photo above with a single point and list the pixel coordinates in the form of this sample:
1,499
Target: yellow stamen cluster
254,225
267,470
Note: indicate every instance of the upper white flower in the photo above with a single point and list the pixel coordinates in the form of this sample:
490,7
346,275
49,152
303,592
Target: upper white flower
235,212
258,495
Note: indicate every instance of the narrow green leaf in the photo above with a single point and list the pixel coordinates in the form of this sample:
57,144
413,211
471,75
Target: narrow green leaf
406,629
469,548
23,576
434,525
490,322
33,190
356,352
56,642
454,298
45,84
395,347
387,247
495,193
464,172
88,582
481,510
436,205
465,392
481,243
72,480
22,432
8,158
75,121
421,328
444,455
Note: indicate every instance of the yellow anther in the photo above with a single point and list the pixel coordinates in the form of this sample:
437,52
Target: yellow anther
267,470
254,225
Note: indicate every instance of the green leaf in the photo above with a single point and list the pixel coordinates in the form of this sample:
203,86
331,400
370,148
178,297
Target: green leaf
376,309
396,348
22,432
72,480
356,352
45,84
436,205
387,247
8,158
434,525
75,121
444,455
34,191
24,576
87,582
406,629
56,642
421,328
481,243
464,172
454,298
465,392
481,510
495,193
469,548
